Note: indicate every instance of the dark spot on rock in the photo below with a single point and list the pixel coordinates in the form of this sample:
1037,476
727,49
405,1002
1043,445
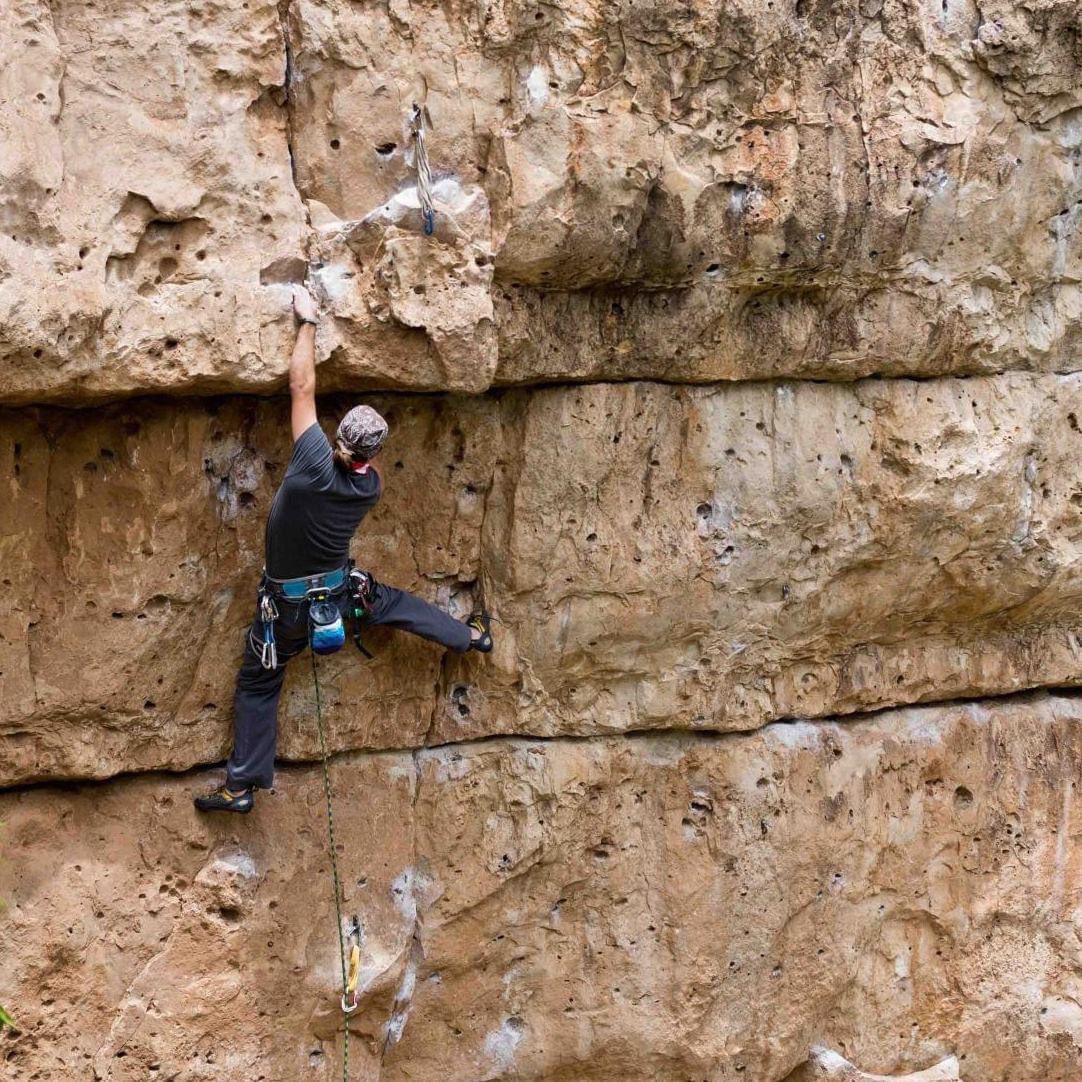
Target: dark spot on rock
963,798
459,696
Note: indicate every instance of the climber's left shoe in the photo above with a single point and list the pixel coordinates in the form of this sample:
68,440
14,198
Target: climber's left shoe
481,622
221,799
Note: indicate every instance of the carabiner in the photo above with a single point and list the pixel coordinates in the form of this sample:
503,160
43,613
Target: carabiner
268,613
268,656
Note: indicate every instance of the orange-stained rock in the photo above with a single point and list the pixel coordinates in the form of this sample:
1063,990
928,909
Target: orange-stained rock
660,557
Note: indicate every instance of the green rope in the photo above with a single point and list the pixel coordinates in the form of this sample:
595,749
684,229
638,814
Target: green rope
334,860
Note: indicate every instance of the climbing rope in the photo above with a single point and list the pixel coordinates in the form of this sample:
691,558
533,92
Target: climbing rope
424,172
351,980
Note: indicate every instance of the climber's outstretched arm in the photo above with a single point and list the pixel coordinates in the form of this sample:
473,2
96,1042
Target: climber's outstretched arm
302,365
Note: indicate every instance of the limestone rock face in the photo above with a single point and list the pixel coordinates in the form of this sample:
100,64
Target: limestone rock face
663,906
147,199
690,192
736,375
716,558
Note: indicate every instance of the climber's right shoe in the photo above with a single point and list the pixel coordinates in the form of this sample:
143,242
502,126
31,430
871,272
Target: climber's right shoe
221,799
481,622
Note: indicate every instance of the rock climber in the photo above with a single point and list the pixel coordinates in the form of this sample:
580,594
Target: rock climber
307,584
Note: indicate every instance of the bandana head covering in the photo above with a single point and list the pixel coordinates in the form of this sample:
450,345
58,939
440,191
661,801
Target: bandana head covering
362,432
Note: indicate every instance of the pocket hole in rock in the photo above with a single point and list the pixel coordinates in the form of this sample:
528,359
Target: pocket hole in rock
459,696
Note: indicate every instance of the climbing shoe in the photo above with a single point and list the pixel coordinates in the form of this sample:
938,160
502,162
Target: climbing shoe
222,800
482,623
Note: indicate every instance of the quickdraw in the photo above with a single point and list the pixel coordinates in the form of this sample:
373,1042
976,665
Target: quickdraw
350,998
419,118
268,613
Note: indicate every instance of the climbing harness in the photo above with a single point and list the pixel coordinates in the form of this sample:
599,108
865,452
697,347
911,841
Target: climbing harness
314,588
349,980
327,632
300,588
419,122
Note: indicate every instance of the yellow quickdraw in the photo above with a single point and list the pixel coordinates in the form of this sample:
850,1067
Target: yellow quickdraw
350,1000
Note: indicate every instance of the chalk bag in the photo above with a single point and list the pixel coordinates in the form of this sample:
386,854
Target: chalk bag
325,627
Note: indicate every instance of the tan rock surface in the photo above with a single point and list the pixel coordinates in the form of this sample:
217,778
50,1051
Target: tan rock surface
900,888
825,1064
688,192
146,193
134,565
672,242
716,558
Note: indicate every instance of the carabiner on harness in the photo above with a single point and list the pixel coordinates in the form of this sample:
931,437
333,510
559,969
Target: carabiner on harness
362,593
268,613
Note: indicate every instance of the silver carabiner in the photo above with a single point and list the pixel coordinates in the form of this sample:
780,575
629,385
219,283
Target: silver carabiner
268,656
268,613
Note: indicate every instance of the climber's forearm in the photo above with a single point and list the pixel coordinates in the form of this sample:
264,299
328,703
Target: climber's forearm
302,380
302,365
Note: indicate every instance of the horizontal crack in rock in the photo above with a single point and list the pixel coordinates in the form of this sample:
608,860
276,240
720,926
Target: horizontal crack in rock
218,392
1036,693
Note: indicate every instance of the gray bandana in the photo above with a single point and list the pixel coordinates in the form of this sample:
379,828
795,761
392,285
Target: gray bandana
362,432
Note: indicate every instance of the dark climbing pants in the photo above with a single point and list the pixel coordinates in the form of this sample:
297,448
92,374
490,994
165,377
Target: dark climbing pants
255,705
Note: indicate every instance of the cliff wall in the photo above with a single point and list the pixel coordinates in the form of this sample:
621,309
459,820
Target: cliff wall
739,378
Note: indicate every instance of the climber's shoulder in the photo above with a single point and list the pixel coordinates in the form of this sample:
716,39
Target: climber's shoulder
378,477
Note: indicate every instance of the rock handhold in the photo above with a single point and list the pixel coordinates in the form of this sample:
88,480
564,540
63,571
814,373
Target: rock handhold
824,1064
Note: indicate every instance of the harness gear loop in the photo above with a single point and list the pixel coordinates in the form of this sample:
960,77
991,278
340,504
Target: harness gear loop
334,871
362,588
418,119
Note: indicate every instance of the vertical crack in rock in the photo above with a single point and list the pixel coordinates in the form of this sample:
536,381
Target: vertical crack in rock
1023,531
437,699
288,103
61,93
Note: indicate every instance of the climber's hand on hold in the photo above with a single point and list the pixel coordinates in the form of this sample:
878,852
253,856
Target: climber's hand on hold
304,308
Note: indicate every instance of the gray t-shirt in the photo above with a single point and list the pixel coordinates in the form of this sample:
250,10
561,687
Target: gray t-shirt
316,510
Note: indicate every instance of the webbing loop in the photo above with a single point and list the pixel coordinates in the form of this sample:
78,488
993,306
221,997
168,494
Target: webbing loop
334,871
